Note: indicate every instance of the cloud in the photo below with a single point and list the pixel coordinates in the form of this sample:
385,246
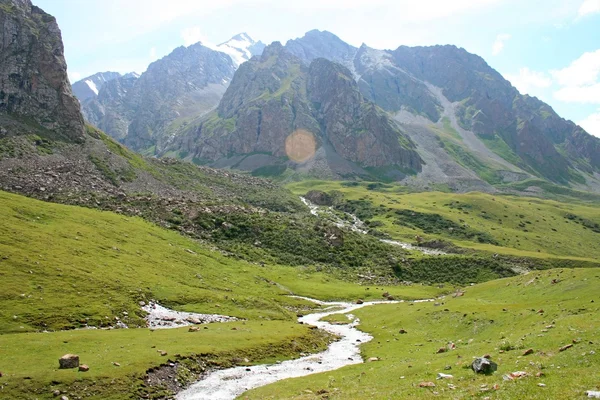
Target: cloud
580,81
582,71
193,35
591,124
579,94
589,7
527,81
74,76
498,45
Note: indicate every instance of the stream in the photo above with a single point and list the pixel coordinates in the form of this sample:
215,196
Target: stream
229,383
356,225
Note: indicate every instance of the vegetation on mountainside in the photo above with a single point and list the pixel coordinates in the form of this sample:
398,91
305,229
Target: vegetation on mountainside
65,267
515,226
542,311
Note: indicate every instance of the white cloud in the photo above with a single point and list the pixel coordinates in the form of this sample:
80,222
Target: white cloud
74,76
579,94
193,35
498,45
589,7
580,81
591,124
527,81
583,71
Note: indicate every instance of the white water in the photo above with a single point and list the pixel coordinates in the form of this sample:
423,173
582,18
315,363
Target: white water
229,383
160,317
359,226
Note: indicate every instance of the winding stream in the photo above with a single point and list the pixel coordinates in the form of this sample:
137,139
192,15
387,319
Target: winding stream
229,383
359,226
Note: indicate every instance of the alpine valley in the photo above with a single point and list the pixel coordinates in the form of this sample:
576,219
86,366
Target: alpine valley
363,220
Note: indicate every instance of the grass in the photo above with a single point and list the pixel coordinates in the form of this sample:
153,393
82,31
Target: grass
65,267
527,227
30,361
500,318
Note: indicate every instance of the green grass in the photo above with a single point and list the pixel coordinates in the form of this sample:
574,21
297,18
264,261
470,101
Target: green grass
491,318
65,267
520,226
499,146
30,361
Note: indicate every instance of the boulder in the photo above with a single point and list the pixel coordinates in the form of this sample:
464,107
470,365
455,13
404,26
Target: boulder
359,301
68,361
483,365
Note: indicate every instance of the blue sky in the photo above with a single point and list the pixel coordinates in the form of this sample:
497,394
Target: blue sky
546,48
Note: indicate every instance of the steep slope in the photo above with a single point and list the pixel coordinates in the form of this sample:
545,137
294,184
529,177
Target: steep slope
143,111
277,113
34,83
471,126
88,88
175,90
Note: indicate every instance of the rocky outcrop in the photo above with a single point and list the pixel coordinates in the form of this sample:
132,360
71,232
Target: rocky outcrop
143,112
276,100
33,74
417,79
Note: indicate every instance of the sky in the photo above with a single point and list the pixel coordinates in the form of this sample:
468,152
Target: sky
546,48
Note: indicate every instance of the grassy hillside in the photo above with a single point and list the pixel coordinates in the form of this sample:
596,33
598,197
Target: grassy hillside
502,318
65,267
502,224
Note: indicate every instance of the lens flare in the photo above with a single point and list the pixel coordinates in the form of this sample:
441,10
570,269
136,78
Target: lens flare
300,145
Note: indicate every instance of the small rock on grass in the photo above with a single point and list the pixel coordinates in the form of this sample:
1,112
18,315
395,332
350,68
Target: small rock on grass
360,301
373,359
426,384
593,394
444,376
528,352
566,347
84,368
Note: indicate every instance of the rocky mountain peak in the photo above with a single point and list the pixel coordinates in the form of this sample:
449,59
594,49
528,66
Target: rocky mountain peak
33,71
241,48
90,86
315,44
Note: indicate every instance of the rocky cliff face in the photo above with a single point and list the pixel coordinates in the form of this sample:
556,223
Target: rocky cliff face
445,83
33,77
275,99
142,112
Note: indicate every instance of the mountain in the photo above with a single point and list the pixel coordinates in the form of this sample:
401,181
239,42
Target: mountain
471,126
278,113
34,85
175,90
241,48
89,87
141,112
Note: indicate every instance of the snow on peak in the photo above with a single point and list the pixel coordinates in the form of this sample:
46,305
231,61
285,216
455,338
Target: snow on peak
92,86
238,48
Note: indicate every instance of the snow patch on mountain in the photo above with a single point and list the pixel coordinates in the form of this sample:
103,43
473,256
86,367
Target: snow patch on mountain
241,48
92,86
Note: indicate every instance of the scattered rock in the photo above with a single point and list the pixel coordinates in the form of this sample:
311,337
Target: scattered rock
373,359
116,364
193,329
162,353
447,368
593,394
56,393
84,368
566,347
515,375
444,376
483,365
528,352
426,384
540,374
359,301
68,361
64,398
441,350
541,384
402,331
